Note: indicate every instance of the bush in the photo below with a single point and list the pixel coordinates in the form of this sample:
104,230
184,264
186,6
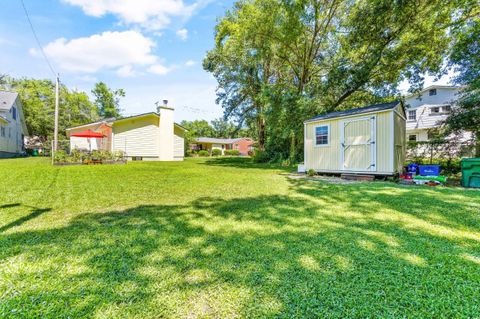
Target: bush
232,152
251,153
261,157
203,153
216,152
60,156
311,172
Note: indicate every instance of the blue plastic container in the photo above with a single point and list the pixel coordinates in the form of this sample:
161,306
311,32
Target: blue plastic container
429,170
412,169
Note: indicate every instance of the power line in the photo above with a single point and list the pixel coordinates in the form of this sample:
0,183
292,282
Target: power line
36,39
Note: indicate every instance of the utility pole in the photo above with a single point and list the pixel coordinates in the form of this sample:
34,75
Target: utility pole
55,133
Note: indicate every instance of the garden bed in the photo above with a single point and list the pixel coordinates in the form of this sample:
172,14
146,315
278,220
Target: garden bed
90,163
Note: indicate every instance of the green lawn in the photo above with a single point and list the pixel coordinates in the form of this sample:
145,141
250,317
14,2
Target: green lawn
225,238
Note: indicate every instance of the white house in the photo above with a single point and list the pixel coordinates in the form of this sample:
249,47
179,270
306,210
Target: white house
13,128
427,109
149,136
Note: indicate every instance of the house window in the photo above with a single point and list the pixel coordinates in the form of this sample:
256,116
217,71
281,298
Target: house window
2,131
412,115
14,113
321,135
432,92
435,110
412,138
446,109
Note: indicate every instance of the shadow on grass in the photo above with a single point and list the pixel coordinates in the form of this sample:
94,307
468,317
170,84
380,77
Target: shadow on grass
336,251
9,205
243,162
35,212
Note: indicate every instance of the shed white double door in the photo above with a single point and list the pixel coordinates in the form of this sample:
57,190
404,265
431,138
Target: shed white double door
358,144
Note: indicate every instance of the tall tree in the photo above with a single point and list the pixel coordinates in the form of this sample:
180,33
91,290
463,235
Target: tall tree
284,61
38,100
107,100
465,57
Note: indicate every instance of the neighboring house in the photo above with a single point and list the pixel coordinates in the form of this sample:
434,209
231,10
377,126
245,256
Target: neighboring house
13,128
369,140
148,137
242,144
427,109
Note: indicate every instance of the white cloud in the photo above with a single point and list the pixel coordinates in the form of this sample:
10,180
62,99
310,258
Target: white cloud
126,71
159,69
117,50
182,34
190,63
150,14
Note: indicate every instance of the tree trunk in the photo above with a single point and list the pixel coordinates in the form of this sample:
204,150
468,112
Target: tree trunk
477,144
261,132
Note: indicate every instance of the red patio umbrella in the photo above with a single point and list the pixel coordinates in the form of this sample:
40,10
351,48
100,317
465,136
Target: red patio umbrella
88,134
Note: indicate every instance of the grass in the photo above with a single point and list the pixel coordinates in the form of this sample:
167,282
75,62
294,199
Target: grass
215,238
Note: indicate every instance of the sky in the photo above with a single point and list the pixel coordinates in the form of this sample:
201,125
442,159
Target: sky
153,49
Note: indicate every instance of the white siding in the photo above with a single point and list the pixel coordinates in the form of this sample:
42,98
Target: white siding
137,137
179,144
422,103
12,142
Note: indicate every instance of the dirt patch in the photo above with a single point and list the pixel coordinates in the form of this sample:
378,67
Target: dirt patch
324,178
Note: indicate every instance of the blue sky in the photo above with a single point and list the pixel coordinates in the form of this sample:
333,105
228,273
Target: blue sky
151,48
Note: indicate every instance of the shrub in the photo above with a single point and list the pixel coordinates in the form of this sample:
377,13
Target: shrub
232,152
216,152
261,157
203,153
60,156
311,172
251,153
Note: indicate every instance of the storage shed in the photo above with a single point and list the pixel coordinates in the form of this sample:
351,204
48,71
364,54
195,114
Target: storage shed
368,140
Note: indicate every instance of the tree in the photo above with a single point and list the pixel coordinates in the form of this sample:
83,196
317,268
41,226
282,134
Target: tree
107,100
465,57
278,63
223,128
38,101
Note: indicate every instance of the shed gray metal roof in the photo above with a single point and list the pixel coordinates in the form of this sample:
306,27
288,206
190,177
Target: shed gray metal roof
7,99
217,140
361,110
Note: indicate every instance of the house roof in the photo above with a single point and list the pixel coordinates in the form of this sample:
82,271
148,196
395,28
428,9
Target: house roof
111,120
7,99
447,87
362,110
105,121
218,140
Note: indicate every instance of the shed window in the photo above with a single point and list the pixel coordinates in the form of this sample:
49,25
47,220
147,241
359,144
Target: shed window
2,131
14,113
321,135
412,138
412,115
432,92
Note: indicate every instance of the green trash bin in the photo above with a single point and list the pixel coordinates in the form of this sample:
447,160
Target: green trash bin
471,172
35,152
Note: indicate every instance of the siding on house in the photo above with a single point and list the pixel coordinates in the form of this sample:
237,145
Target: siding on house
137,136
400,140
179,143
421,103
12,125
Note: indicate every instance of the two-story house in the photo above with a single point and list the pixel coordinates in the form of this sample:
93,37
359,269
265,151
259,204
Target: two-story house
427,109
12,125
